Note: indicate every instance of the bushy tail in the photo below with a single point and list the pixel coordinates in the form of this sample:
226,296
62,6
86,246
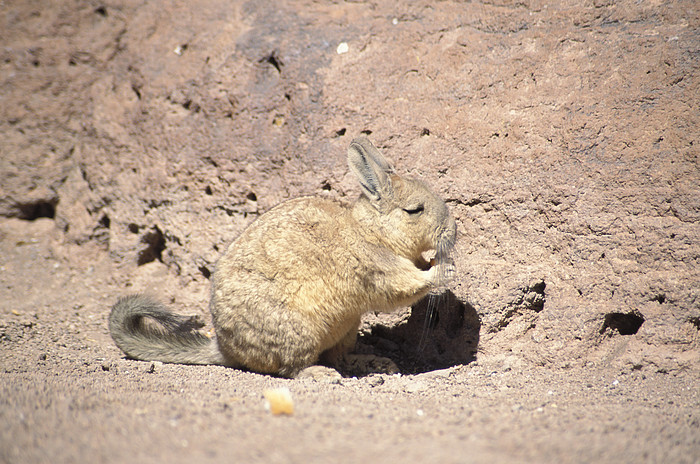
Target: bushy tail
143,329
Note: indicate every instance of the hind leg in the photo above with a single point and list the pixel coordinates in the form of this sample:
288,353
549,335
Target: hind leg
330,359
334,355
341,358
277,344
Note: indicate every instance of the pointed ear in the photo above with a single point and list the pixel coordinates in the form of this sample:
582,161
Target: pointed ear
371,168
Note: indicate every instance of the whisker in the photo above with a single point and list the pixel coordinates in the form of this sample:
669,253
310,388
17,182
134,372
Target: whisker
430,314
442,251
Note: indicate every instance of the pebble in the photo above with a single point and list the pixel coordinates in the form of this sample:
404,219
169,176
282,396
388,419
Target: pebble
415,387
153,366
321,374
439,373
375,380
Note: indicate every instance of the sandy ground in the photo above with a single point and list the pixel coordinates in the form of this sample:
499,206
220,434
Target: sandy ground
68,395
138,139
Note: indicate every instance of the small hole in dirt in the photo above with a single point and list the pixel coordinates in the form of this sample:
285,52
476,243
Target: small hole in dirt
205,271
660,298
274,60
425,131
624,324
252,196
534,298
105,221
537,304
695,321
155,244
136,91
210,160
366,132
37,209
539,287
133,228
102,11
326,186
208,190
340,132
190,105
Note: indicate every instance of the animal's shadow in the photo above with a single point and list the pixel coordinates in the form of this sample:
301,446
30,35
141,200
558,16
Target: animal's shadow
441,331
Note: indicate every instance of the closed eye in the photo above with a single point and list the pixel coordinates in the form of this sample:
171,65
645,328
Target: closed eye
414,209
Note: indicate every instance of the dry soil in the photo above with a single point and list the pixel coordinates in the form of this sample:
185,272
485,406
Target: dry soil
137,139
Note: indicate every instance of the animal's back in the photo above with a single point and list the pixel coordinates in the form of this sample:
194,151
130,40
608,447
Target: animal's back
294,247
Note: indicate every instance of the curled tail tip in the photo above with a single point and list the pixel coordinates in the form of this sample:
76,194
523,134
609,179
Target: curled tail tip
144,329
126,312
136,302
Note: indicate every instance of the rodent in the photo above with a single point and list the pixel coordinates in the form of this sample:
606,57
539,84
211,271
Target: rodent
291,289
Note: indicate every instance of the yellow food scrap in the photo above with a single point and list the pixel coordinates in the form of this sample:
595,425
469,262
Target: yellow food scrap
279,401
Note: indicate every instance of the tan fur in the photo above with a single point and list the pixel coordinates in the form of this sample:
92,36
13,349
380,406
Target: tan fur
295,283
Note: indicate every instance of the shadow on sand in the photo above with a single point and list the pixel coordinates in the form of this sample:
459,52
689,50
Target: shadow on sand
441,332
